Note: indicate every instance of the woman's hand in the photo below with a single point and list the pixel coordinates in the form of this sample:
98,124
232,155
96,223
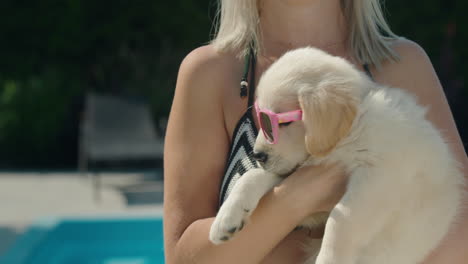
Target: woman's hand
314,188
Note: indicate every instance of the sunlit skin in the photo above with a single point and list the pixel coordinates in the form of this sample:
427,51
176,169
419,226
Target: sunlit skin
208,86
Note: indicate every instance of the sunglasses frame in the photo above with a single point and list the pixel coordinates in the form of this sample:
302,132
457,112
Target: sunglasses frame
275,120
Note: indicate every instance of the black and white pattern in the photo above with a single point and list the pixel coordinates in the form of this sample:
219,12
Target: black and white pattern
240,157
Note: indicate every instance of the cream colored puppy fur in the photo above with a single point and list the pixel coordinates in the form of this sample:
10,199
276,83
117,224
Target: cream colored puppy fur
404,186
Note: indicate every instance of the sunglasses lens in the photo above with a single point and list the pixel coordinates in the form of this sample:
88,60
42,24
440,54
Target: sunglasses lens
267,128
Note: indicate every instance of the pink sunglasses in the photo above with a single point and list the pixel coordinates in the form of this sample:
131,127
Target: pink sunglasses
269,121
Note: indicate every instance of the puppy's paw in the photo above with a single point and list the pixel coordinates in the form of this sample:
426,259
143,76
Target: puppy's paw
230,219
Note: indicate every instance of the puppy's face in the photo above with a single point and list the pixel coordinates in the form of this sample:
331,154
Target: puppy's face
289,151
327,90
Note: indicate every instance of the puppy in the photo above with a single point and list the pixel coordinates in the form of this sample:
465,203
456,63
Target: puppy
404,187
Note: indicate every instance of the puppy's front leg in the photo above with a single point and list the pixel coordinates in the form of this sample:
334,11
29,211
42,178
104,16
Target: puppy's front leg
243,199
357,218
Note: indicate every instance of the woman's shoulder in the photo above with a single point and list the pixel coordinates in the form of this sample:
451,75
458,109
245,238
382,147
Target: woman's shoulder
412,68
405,47
209,65
412,59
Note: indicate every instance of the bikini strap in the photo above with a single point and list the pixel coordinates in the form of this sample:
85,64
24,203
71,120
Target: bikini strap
368,72
244,84
249,68
253,62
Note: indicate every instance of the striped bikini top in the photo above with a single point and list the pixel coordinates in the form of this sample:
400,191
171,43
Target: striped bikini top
240,158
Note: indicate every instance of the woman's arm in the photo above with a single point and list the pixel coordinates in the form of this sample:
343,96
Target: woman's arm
194,159
414,72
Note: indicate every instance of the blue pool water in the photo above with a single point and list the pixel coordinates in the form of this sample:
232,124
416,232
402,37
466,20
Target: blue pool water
90,241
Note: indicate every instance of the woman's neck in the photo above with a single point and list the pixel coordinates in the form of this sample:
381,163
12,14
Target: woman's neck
290,24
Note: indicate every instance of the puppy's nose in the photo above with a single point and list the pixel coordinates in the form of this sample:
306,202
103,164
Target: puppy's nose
260,156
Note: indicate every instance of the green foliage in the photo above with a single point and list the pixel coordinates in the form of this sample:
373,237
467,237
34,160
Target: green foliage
32,117
423,23
54,51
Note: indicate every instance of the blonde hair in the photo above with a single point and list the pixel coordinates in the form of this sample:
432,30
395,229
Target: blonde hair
237,29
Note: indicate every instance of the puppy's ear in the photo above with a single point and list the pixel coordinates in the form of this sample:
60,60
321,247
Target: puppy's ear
328,113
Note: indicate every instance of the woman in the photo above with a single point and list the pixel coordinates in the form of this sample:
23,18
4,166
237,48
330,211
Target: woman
209,111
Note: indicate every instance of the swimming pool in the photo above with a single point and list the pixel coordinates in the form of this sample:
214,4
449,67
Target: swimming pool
90,241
